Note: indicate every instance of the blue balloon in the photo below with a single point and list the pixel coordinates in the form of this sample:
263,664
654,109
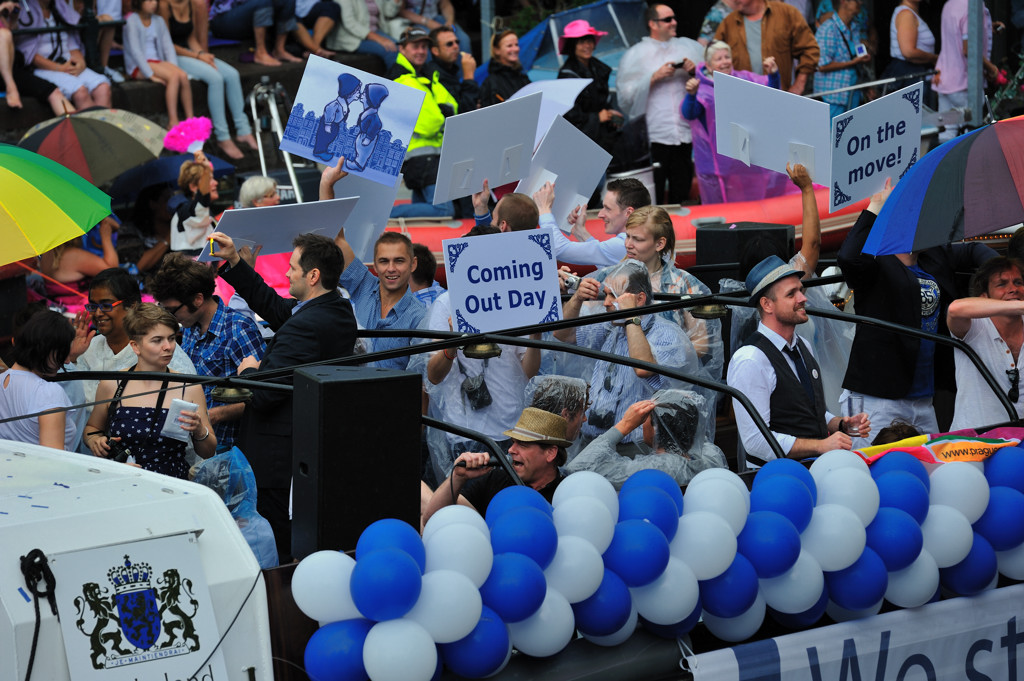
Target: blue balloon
802,620
786,495
638,554
385,584
861,585
787,467
652,477
516,496
1006,468
391,533
335,651
607,610
900,461
971,575
527,531
731,593
895,537
770,542
671,631
652,504
482,652
1002,523
515,588
905,491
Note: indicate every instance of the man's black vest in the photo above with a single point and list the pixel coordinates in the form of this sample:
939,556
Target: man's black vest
792,412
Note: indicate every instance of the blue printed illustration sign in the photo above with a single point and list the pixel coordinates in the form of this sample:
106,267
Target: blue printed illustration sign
501,281
872,142
341,111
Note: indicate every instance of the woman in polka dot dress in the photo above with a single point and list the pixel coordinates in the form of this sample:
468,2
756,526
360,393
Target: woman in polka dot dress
136,419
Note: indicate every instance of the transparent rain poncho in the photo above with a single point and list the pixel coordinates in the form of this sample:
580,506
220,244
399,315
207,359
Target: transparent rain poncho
614,279
680,447
230,476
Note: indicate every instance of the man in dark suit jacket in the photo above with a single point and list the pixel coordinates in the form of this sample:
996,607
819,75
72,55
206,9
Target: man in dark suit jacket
895,372
316,324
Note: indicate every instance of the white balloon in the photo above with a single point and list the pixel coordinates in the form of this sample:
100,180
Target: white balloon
399,650
587,518
547,631
914,585
449,606
835,537
962,486
840,614
705,542
739,628
669,598
721,498
722,474
462,548
588,484
852,488
1011,563
576,570
619,636
456,514
837,458
320,586
947,535
797,589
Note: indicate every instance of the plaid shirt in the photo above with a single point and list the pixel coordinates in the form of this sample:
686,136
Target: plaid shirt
838,44
230,338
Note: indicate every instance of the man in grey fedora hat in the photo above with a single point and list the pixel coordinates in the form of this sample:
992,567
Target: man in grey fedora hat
538,449
778,373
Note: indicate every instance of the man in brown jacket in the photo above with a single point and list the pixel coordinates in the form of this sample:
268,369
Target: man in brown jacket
771,28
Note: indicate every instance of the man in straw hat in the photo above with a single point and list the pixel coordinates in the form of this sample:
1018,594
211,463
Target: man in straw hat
538,449
778,373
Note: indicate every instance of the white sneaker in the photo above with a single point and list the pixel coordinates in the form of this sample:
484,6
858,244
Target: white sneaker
113,74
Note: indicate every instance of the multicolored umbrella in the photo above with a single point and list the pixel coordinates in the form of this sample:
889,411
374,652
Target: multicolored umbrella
98,144
971,185
42,204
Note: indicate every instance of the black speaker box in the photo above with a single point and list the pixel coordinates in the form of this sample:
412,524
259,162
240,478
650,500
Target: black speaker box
356,456
723,243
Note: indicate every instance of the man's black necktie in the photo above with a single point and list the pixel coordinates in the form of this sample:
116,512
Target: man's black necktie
801,370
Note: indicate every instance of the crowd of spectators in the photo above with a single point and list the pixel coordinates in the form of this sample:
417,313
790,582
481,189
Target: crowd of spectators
604,416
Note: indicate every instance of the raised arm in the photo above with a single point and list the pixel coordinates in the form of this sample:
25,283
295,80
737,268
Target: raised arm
810,241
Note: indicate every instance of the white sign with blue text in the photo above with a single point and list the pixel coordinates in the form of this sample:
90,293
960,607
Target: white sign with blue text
878,140
980,638
501,281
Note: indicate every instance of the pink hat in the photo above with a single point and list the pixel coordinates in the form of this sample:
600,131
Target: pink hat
578,29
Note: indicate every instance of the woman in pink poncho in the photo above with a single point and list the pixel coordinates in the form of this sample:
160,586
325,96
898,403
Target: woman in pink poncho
723,179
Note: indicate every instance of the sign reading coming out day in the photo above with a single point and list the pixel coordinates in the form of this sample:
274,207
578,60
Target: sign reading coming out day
501,281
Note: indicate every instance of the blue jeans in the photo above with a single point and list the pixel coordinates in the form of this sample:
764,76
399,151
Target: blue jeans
422,206
370,47
221,82
237,23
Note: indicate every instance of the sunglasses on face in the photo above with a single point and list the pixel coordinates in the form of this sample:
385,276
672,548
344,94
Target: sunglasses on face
451,43
666,20
102,307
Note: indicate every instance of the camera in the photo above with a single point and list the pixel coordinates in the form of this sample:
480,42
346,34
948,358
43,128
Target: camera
118,452
572,282
476,392
602,421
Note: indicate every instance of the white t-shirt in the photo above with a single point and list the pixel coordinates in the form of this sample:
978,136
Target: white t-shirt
26,393
976,405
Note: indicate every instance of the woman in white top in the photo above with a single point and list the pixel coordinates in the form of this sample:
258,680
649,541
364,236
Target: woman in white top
911,45
40,348
149,54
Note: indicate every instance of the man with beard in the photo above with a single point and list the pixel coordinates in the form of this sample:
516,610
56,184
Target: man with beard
778,373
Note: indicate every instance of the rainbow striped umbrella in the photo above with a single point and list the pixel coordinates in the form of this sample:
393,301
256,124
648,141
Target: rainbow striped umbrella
42,204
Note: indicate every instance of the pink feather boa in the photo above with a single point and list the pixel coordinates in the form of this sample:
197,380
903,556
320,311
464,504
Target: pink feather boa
189,131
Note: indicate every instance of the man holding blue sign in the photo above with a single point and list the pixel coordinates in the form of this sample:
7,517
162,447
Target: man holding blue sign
649,338
842,52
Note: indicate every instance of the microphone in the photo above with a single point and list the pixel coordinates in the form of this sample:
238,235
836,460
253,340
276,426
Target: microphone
492,463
